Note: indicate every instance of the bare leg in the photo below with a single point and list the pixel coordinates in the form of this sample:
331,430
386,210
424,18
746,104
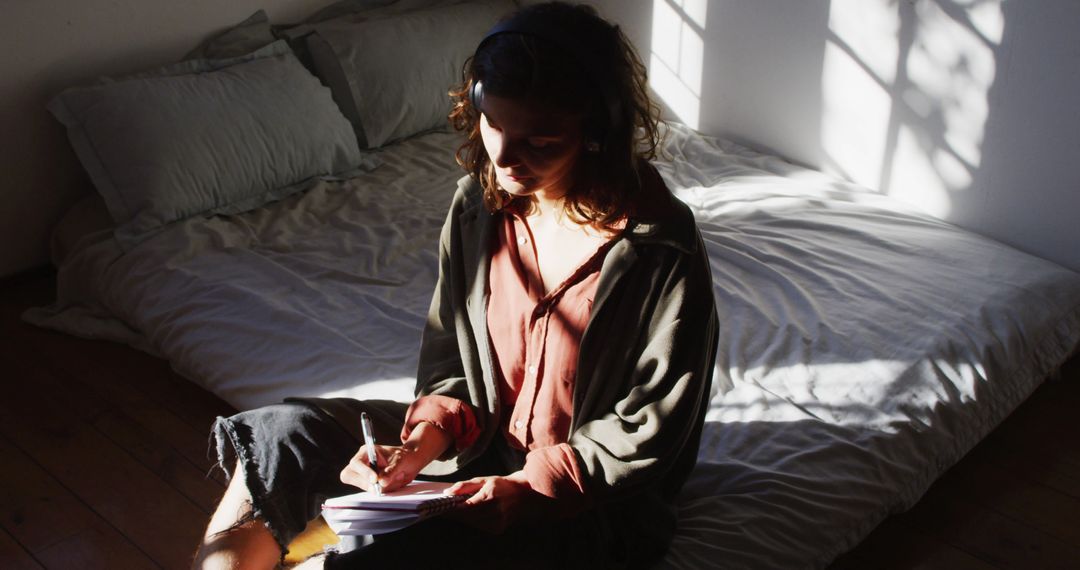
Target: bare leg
227,544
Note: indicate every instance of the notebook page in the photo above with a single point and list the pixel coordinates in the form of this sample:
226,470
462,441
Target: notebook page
411,497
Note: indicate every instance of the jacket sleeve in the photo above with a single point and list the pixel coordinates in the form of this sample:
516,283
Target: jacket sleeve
643,429
442,372
448,414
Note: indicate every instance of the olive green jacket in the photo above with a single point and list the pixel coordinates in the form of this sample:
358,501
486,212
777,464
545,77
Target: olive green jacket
645,364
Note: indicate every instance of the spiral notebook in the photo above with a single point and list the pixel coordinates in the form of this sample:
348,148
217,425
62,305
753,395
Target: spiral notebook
368,513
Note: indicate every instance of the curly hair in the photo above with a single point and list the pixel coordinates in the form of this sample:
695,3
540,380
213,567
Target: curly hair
619,118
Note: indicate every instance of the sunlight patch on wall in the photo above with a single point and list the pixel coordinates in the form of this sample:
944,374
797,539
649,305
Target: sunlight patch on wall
905,88
921,181
855,115
951,66
868,30
855,102
678,56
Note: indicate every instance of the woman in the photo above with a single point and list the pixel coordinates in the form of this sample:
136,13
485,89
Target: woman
565,366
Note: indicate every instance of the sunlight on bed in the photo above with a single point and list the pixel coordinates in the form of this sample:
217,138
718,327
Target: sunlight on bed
906,95
678,56
400,390
876,394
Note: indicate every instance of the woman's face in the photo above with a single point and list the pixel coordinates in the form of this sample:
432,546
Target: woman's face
534,151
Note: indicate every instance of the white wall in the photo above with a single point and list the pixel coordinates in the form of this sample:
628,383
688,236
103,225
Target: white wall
49,45
966,108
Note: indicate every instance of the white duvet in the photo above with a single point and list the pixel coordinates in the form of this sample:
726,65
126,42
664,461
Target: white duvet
864,347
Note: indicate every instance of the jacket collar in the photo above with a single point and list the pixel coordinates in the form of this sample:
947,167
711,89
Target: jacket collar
674,228
475,220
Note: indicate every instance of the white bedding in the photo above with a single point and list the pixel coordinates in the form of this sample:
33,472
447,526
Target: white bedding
864,347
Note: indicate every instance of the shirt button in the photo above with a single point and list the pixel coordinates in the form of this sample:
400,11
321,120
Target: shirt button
532,370
522,241
518,424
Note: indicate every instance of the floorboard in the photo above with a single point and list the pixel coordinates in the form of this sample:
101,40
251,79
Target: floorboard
55,428
895,545
988,535
121,411
14,556
46,519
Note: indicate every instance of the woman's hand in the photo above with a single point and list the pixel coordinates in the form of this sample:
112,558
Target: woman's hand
498,502
398,465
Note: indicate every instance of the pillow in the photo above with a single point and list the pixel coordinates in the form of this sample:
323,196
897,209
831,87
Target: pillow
368,8
243,38
205,137
390,75
346,10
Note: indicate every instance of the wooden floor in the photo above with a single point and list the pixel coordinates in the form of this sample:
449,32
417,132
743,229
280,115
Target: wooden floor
105,465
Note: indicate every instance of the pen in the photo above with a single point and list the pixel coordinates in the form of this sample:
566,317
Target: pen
369,442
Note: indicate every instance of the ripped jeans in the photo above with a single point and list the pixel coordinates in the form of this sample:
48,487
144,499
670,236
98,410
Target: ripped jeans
291,456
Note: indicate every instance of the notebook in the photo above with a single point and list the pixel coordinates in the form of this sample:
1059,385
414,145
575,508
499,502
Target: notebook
368,513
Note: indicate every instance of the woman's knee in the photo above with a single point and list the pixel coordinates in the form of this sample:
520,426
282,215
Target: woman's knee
235,537
286,457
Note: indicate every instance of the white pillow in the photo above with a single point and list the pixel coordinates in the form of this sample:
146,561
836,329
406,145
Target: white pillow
391,75
205,137
237,40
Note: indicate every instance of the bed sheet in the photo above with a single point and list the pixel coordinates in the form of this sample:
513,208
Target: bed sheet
323,293
865,347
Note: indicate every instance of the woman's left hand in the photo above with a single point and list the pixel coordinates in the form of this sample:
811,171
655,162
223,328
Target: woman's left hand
496,502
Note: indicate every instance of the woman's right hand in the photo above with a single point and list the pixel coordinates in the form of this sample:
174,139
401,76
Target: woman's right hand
398,465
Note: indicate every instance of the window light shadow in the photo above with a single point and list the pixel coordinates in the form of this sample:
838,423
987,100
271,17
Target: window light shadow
677,57
905,92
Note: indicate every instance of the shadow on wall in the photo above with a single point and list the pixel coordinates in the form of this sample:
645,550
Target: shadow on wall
924,71
960,107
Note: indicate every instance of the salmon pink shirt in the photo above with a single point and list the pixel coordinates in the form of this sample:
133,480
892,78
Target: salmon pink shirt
535,339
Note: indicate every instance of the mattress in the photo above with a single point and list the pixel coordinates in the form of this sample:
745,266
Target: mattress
864,346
